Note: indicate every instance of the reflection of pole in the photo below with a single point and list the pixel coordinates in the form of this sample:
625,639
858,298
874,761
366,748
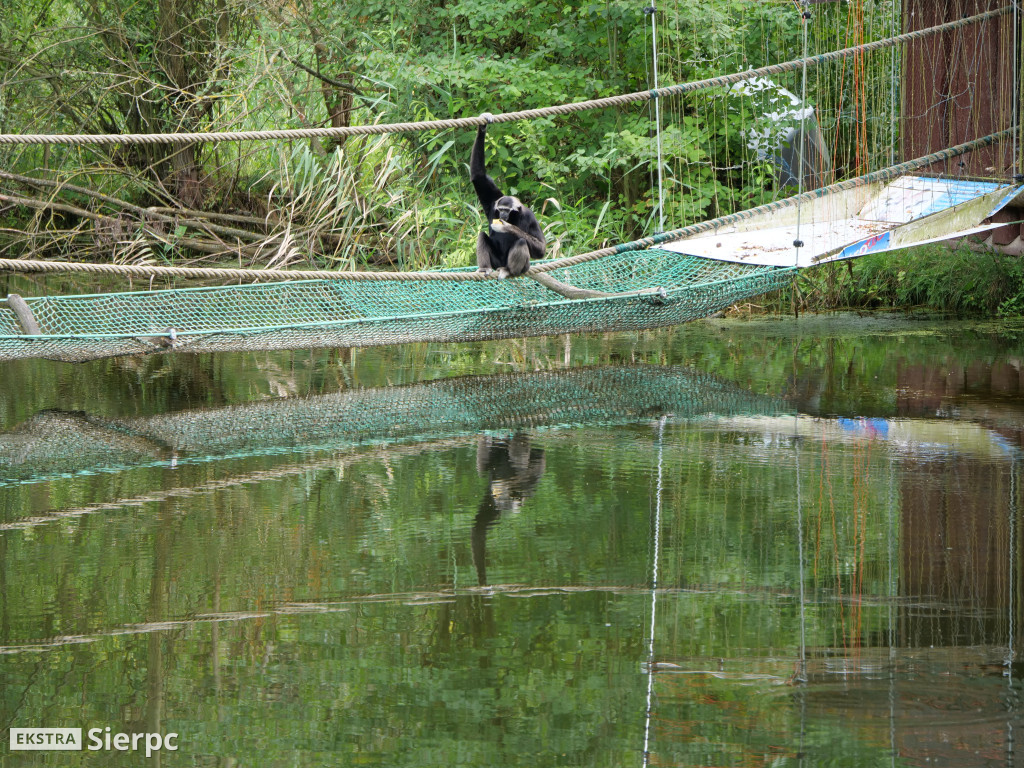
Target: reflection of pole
1012,586
154,643
800,548
654,594
892,625
802,668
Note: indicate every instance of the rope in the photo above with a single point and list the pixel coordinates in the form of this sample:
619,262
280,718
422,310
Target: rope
214,273
146,270
507,117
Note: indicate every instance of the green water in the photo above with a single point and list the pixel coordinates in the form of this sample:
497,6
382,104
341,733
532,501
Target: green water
455,555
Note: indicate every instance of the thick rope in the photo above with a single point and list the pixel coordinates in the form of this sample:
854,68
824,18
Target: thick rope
507,117
211,273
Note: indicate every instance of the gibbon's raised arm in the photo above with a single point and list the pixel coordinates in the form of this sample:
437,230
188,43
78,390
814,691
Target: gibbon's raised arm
486,190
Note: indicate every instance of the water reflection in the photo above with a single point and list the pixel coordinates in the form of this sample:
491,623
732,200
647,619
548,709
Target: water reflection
694,568
512,468
54,443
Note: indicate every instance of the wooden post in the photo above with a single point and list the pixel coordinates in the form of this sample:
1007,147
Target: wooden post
959,86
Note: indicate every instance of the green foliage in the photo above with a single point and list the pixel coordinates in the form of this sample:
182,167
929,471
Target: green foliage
405,200
959,281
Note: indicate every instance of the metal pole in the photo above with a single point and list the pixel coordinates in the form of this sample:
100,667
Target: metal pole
805,16
652,11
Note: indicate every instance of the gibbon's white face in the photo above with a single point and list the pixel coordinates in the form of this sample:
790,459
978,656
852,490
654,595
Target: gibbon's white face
508,209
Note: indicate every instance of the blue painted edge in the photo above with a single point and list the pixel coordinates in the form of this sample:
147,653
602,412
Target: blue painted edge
870,245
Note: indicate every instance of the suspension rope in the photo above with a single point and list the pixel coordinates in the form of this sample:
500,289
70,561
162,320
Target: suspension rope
212,273
507,117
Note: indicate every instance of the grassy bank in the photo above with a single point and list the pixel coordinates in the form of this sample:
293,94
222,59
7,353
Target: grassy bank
958,280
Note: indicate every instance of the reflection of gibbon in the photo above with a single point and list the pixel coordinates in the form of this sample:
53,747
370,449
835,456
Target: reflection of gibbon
513,470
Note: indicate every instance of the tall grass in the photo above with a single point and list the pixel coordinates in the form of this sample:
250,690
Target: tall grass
959,280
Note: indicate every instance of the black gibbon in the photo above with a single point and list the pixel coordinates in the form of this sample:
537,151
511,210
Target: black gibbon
513,469
513,235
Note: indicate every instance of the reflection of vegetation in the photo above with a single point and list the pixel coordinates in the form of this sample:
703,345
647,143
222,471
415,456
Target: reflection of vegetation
336,610
407,677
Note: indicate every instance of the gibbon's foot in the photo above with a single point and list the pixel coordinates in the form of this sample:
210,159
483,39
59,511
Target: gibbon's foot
487,116
503,273
484,270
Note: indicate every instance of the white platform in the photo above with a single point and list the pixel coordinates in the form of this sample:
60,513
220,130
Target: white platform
909,211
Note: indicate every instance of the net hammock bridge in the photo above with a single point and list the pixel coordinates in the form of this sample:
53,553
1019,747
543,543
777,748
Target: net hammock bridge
662,280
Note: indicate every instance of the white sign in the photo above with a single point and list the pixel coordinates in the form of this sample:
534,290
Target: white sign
46,738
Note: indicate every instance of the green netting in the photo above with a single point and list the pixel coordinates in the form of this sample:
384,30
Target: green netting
322,313
58,443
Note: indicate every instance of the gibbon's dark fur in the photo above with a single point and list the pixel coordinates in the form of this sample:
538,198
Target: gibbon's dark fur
513,235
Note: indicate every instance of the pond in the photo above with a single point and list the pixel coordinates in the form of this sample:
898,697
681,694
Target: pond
772,542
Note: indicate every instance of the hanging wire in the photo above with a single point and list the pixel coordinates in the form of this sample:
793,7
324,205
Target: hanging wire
1015,117
805,16
893,88
652,11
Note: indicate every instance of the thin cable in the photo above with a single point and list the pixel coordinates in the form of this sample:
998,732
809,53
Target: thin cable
892,89
805,16
1015,120
652,11
654,593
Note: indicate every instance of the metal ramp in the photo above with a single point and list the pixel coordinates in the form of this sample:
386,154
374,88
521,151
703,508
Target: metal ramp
912,210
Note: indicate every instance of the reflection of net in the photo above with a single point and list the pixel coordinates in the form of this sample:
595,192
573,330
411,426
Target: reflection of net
54,443
325,313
